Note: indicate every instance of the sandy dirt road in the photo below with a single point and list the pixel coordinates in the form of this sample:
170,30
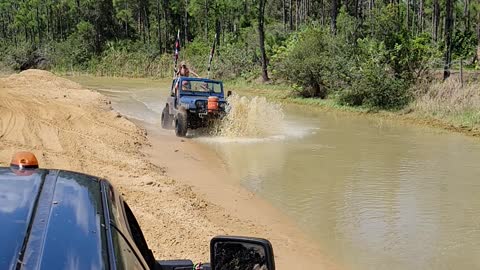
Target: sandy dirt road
68,127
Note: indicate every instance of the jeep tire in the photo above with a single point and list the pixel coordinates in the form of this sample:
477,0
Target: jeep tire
167,119
181,124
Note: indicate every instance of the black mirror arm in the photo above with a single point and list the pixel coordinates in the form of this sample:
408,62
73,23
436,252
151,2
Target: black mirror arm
179,265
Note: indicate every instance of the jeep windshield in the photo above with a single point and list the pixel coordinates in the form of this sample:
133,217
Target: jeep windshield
201,86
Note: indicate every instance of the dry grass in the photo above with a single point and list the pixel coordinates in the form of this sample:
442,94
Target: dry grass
449,101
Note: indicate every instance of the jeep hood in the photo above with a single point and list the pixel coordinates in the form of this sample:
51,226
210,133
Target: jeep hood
190,100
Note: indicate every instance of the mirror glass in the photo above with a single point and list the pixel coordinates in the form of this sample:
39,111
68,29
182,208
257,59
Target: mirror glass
239,256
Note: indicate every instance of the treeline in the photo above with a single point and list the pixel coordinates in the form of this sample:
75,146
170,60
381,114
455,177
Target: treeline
364,52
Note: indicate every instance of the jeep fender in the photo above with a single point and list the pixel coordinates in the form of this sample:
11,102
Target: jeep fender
181,109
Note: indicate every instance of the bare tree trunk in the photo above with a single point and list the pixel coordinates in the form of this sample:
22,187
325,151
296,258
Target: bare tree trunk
186,23
206,19
356,10
334,14
4,34
284,14
448,37
159,28
39,30
421,16
309,8
408,14
466,16
47,21
478,36
218,31
166,12
126,23
302,12
296,14
261,36
146,22
436,19
371,5
322,9
291,14
414,16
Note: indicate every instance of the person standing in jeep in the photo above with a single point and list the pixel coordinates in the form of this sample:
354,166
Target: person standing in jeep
184,71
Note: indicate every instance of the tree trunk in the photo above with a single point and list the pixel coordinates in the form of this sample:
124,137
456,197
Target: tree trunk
291,14
322,8
448,37
414,15
408,14
218,32
296,13
206,19
166,11
4,34
334,14
466,16
436,19
284,14
39,26
186,23
421,16
478,37
126,22
147,20
144,20
261,36
356,10
159,27
79,12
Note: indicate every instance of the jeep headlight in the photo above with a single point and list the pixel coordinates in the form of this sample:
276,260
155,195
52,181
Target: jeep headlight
200,105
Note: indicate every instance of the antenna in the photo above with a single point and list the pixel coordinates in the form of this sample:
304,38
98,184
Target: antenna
212,53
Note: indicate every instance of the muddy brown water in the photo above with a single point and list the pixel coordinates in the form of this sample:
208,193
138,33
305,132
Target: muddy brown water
373,194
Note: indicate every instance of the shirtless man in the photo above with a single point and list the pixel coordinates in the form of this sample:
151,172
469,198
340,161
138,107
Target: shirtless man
184,71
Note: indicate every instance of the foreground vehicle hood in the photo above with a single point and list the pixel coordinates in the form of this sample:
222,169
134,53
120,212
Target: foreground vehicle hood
51,220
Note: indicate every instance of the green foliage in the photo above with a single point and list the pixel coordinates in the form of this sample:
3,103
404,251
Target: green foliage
78,49
464,44
15,57
375,85
375,70
410,56
235,61
128,59
372,60
305,62
196,54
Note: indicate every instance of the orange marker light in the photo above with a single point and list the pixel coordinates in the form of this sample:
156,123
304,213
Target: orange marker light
24,160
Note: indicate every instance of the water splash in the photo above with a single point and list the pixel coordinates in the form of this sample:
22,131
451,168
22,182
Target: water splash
251,118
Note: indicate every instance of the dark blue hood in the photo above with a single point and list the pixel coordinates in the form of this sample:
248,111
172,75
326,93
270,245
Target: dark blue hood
51,220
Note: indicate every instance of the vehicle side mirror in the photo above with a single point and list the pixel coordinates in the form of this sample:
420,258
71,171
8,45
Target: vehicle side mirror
229,93
233,252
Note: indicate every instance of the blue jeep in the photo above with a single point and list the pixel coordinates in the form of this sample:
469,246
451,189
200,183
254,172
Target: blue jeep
193,103
55,219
